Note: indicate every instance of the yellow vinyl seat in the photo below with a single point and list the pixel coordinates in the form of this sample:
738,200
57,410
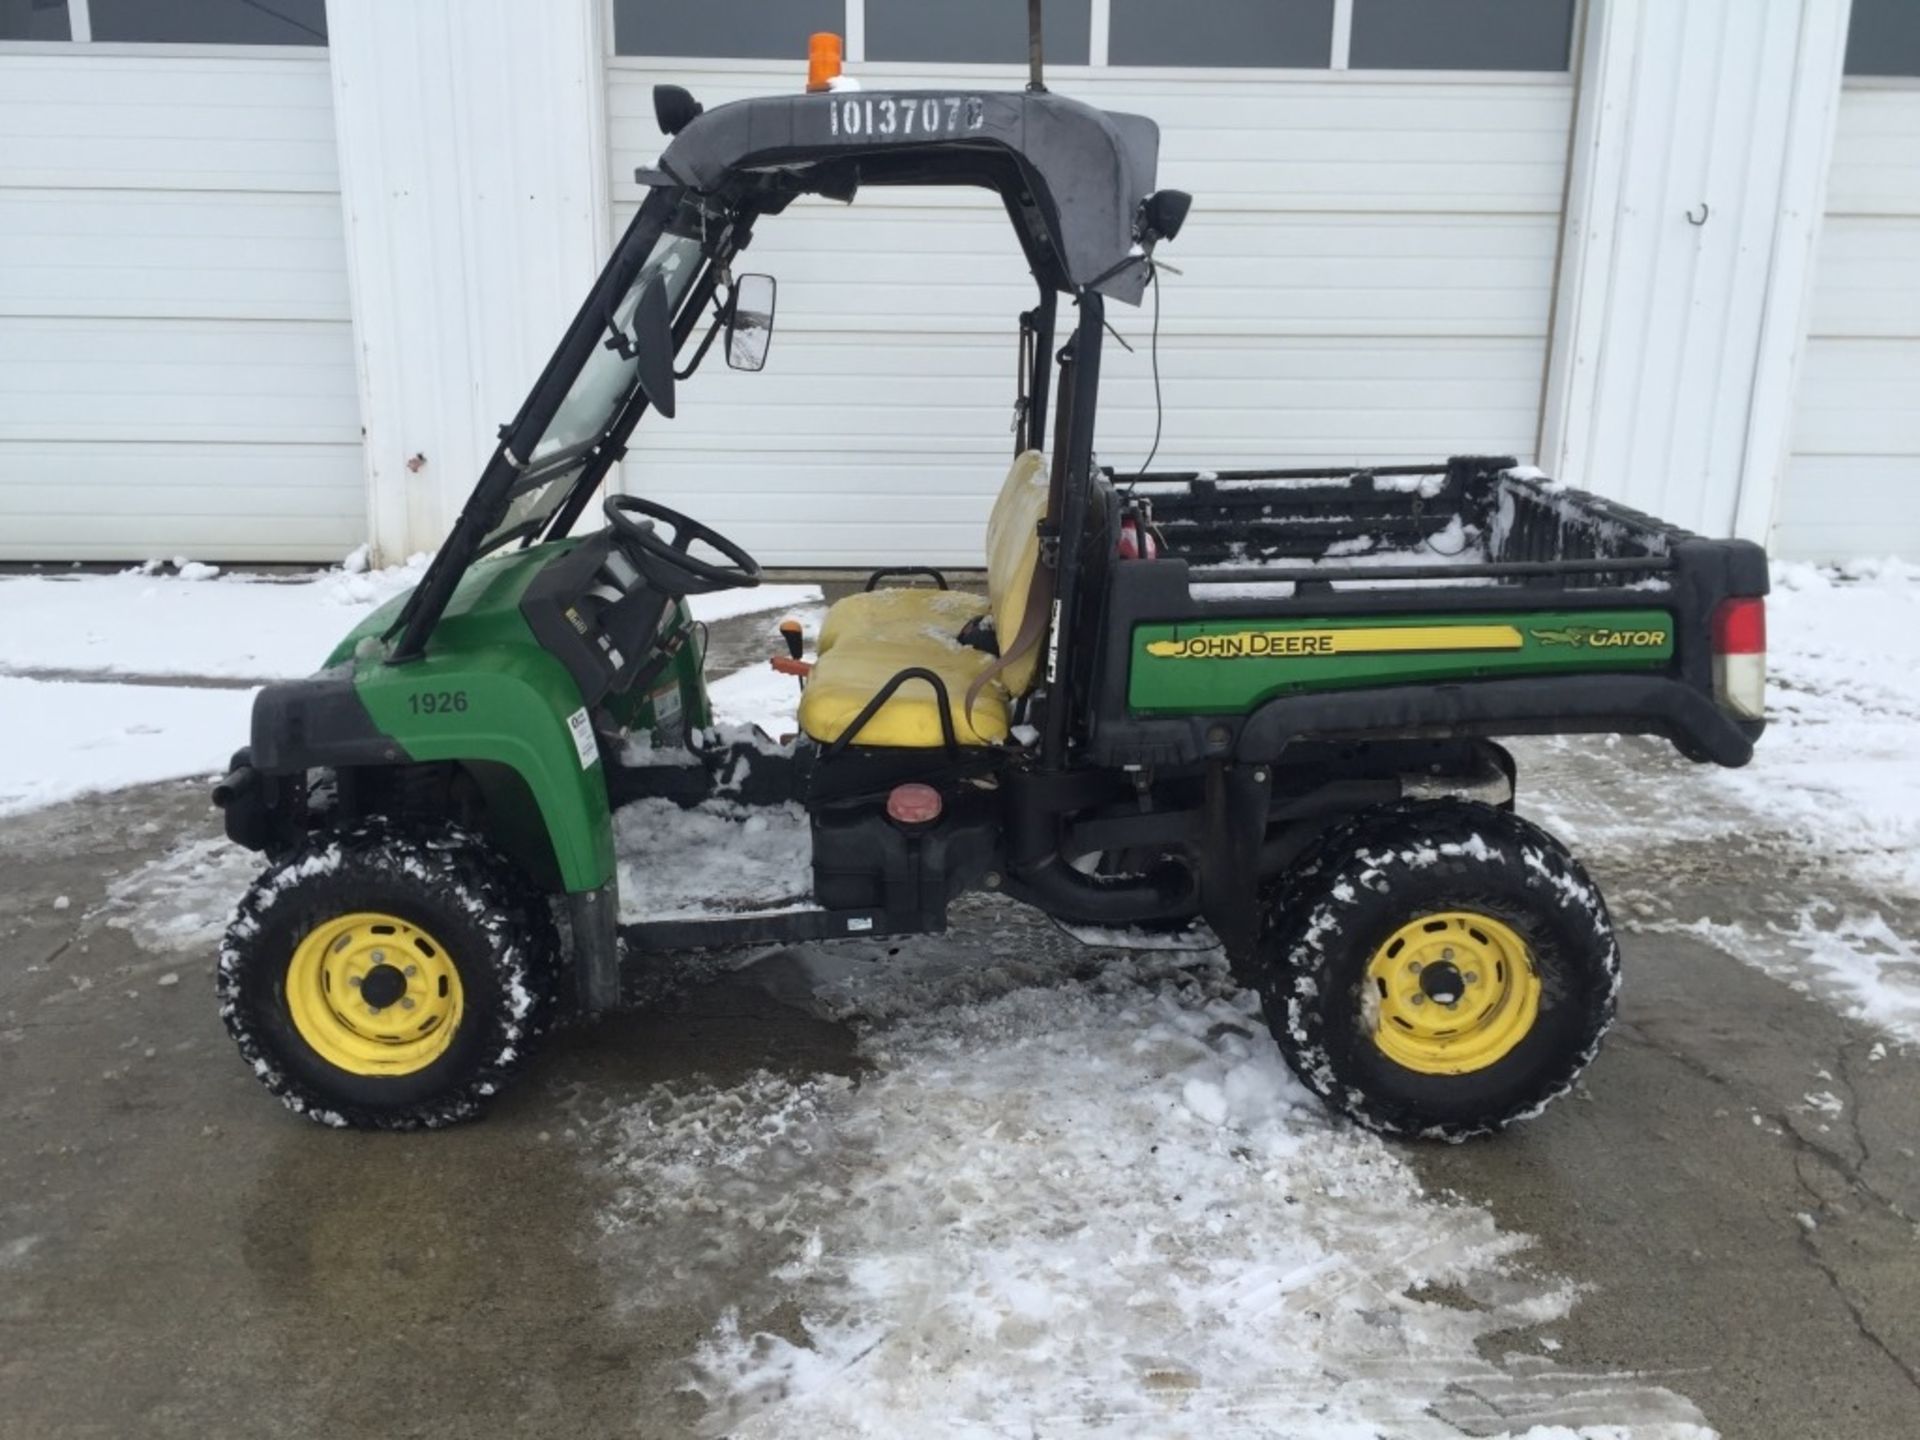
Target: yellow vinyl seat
852,673
864,645
880,614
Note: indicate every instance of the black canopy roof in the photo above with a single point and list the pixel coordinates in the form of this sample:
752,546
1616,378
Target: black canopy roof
1072,176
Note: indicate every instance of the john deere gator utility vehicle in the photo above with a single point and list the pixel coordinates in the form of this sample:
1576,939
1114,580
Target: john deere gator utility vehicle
1262,706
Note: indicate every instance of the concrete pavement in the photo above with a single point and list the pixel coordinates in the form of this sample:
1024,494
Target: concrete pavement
1735,1187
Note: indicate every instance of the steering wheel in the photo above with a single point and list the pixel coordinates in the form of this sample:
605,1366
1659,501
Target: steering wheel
666,563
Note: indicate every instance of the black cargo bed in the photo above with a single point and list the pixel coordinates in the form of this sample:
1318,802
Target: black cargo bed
1469,534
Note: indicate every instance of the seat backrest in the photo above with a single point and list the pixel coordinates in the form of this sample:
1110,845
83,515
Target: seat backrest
1013,556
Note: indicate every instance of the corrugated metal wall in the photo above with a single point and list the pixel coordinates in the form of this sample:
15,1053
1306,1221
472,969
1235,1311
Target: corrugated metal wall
1367,274
1853,487
176,362
1694,207
475,196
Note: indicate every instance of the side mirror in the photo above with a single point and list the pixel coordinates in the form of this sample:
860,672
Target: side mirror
750,321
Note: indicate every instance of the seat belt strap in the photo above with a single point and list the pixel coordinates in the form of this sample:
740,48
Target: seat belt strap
1033,629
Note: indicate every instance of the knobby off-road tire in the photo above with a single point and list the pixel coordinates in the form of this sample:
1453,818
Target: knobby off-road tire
1366,897
446,928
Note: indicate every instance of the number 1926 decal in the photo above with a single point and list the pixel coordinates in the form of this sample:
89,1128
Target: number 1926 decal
437,702
905,117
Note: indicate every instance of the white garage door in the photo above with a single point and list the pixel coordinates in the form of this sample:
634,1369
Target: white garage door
176,358
1367,275
1853,486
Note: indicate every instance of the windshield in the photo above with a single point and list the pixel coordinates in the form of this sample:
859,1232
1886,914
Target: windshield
605,381
601,388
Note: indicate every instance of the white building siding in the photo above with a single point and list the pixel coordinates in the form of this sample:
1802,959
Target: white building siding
475,193
1367,275
1853,486
1694,204
176,356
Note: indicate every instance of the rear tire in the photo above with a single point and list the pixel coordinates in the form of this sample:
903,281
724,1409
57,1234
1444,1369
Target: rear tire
1370,947
388,978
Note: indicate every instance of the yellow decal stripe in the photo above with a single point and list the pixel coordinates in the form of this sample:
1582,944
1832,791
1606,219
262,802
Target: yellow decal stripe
1426,637
1293,644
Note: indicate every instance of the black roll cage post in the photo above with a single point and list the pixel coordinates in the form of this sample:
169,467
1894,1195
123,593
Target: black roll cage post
1036,370
1062,541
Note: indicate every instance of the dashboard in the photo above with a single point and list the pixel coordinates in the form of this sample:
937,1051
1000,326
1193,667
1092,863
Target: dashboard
597,614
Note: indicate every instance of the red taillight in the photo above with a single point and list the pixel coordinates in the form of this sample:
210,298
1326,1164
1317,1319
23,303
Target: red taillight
913,804
1740,627
1740,656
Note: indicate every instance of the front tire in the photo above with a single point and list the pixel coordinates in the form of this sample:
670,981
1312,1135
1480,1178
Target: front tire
387,978
1439,970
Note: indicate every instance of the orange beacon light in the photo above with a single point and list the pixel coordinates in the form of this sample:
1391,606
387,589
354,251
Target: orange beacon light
823,60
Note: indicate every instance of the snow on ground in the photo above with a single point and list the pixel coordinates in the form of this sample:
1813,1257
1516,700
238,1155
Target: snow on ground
1853,958
1834,784
1840,765
1838,769
1078,1206
230,626
59,740
758,695
725,604
182,900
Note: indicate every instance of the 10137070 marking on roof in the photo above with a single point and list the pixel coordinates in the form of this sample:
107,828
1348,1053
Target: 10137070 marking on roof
905,117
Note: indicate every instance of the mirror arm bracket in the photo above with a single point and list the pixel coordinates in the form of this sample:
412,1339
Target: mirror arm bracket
706,344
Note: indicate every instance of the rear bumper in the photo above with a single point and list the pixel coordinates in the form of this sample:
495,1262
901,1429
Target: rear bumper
1625,704
1531,705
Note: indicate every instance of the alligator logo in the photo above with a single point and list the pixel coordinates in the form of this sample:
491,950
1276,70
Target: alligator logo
1571,635
1599,637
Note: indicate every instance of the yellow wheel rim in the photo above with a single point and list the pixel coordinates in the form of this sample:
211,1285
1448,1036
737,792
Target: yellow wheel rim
1451,993
374,995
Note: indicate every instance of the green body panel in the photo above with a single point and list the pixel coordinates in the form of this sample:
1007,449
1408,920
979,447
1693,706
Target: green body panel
487,694
1227,667
490,590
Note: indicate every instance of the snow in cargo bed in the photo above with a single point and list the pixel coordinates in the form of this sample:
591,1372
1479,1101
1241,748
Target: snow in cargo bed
1399,527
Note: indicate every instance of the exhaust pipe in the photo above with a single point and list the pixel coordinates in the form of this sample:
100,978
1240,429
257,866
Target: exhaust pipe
1038,873
1168,891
